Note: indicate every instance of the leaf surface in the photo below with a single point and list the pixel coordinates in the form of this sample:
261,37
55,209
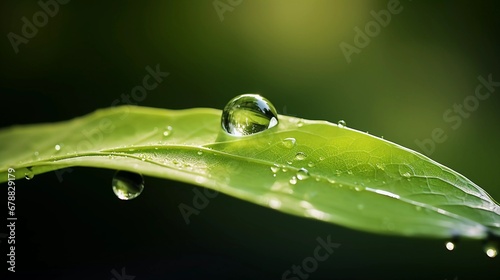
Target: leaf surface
306,168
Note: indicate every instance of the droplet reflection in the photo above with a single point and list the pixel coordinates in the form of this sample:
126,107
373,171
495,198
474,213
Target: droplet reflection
127,185
248,114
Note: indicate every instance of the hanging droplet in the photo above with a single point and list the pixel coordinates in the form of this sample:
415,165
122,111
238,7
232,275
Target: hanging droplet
127,185
491,251
248,114
29,174
491,247
300,156
450,246
167,131
289,142
302,174
341,123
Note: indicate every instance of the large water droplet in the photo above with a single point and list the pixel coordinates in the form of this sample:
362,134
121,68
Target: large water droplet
127,185
289,142
341,123
28,175
248,114
302,174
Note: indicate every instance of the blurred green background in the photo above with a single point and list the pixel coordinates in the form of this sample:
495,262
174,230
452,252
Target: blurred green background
89,53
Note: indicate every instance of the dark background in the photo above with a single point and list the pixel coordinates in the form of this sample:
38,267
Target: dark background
89,53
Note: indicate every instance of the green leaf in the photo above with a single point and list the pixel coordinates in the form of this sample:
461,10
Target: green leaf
326,172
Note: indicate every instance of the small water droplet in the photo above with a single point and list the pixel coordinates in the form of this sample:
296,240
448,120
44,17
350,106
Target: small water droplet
341,123
406,175
247,114
349,172
300,156
284,169
29,174
491,248
302,174
275,169
167,131
58,147
300,123
311,164
293,180
127,185
199,153
450,245
36,155
289,142
321,158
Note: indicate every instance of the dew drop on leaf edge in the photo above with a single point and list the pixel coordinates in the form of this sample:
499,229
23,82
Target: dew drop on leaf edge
127,185
29,174
248,114
341,123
